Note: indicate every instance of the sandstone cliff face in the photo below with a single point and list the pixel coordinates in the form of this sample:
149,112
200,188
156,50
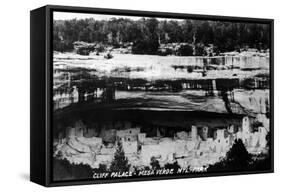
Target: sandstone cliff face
256,101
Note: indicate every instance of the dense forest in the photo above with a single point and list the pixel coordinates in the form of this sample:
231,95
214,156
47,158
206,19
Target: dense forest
147,34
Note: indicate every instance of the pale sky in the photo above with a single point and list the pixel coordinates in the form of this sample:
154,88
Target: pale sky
69,15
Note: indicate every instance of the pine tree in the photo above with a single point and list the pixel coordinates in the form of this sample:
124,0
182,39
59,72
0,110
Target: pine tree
237,159
120,161
238,155
154,163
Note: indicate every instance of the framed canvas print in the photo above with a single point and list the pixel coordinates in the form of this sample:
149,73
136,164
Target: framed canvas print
121,95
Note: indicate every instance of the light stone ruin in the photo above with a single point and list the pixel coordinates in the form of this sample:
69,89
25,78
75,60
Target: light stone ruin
189,149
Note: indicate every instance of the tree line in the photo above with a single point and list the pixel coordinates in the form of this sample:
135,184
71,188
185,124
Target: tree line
146,34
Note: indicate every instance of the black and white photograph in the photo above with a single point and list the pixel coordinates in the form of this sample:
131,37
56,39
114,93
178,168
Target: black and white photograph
142,97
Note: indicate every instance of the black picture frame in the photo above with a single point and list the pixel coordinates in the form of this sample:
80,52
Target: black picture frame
41,90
